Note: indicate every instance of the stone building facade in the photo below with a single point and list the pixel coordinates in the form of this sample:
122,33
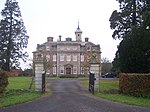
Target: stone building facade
68,56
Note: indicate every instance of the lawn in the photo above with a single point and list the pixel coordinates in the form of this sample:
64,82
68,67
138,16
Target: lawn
109,84
17,92
19,83
106,85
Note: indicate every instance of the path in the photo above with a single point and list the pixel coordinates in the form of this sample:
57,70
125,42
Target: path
69,96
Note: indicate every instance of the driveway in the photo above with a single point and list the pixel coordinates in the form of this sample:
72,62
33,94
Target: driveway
69,96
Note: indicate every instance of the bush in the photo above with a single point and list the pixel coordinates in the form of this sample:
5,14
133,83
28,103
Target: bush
135,84
3,81
27,72
51,75
68,76
81,76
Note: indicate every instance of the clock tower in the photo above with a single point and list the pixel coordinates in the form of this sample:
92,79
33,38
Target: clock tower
78,34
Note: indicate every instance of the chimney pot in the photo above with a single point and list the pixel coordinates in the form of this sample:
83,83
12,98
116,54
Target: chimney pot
86,39
49,39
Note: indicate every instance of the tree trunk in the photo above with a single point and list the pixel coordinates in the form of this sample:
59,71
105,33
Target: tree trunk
134,13
9,44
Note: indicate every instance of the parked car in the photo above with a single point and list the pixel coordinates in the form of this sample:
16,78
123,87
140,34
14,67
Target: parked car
109,75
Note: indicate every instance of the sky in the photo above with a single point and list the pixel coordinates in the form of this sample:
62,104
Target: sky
44,18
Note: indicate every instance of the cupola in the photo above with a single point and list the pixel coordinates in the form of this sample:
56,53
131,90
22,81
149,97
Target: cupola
78,34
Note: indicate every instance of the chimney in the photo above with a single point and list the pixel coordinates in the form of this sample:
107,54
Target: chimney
49,39
60,37
68,39
86,39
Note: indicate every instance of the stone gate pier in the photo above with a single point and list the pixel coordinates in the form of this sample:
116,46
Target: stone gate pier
95,68
39,68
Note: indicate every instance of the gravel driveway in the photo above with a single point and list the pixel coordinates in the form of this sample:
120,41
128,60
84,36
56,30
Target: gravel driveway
69,96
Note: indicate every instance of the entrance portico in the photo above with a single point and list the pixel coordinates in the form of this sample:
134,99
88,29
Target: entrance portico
68,69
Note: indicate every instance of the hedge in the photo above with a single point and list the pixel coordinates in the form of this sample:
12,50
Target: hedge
68,76
135,84
3,81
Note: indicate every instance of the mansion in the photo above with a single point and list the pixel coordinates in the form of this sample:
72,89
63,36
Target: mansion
67,56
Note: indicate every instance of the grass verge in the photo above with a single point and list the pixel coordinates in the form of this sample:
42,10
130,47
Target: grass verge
109,85
19,83
130,100
17,92
17,96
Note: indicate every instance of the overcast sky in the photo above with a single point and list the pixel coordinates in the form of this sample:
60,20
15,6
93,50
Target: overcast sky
44,18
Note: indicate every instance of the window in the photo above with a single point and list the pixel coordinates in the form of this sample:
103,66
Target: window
47,57
54,70
75,48
75,58
61,48
54,57
88,71
68,48
39,55
48,72
68,58
74,70
62,57
88,48
47,48
61,70
82,70
82,58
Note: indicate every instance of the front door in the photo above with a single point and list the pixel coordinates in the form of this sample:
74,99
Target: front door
68,70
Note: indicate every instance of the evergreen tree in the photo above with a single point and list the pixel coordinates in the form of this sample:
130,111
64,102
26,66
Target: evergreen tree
134,52
132,24
13,36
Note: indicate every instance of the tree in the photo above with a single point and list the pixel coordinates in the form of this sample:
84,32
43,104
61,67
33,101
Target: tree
135,55
105,60
13,36
3,81
129,15
106,65
132,24
116,64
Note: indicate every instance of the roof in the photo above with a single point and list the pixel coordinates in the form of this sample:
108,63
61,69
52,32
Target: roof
78,29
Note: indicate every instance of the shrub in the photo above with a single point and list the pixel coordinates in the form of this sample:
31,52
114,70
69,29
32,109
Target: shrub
3,81
52,75
81,76
27,72
135,84
68,76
